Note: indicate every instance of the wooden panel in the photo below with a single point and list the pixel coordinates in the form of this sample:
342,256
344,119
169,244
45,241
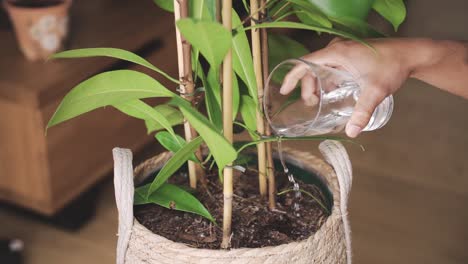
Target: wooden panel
104,23
23,163
78,152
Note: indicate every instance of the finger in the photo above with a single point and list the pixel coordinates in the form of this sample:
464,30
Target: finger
308,90
369,99
323,56
333,57
292,78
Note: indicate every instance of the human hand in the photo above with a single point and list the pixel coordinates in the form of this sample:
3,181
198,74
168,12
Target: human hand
379,73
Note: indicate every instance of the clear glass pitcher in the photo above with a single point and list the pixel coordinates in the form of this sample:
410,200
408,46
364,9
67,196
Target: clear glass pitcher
306,99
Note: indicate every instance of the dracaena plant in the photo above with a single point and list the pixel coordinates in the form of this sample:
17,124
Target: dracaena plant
231,82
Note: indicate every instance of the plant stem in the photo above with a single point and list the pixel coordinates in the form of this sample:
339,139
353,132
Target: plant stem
252,14
281,8
269,150
227,128
257,63
218,10
187,86
304,138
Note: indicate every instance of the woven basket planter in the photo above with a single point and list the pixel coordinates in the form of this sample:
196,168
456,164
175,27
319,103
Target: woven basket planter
330,244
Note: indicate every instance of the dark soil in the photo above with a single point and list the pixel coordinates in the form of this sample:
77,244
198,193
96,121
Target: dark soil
253,224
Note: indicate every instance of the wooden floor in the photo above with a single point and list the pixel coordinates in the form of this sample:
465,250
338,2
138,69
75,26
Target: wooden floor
44,244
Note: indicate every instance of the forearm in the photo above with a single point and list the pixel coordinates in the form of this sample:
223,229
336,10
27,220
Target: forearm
382,72
443,64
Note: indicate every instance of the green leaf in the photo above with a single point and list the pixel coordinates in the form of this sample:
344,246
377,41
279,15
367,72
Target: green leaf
140,109
173,164
246,6
358,9
167,5
242,62
311,18
356,27
243,160
202,9
213,98
112,53
295,25
214,83
172,197
235,96
173,143
211,6
280,10
173,115
105,89
309,14
248,111
253,133
392,10
211,38
282,48
222,150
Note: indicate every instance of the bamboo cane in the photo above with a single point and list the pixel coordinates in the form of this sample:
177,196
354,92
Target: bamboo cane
187,86
227,128
257,62
269,150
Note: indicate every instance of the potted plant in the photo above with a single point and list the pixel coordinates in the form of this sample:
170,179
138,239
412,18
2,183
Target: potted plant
41,26
216,60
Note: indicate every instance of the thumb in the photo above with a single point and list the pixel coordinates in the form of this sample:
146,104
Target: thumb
369,99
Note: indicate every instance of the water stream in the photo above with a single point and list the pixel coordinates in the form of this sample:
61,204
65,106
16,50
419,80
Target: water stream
291,179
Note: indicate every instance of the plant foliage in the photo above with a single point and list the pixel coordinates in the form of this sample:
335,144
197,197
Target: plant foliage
126,89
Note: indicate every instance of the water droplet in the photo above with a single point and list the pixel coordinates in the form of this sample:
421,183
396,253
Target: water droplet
291,179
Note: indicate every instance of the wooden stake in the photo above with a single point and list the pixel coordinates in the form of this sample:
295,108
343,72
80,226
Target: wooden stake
227,128
257,61
269,150
184,59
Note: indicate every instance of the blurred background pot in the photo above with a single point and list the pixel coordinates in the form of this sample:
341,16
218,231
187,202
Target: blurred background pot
41,26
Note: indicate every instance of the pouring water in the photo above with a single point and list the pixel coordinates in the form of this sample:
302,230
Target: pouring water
334,95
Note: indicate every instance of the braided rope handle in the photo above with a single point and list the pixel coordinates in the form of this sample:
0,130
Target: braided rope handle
335,154
124,190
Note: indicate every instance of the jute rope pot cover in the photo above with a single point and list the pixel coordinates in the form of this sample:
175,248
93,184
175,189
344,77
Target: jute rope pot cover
330,244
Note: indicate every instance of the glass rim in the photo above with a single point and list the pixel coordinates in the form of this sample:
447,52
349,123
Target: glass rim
312,67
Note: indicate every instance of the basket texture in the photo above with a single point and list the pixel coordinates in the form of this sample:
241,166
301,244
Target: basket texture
330,244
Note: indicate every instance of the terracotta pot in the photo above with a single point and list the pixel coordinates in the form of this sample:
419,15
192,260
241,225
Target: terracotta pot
329,245
40,29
